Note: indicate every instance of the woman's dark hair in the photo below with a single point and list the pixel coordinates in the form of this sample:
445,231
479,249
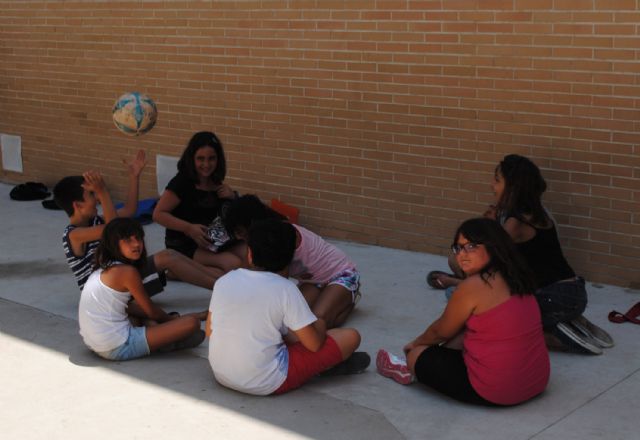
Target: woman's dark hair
186,164
523,189
245,210
108,251
272,243
503,255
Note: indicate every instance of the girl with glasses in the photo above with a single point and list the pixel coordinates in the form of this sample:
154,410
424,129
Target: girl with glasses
487,347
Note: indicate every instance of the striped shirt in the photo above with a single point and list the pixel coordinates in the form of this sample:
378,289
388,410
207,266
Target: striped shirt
81,266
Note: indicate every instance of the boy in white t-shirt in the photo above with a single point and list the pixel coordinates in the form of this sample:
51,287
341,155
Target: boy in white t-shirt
264,338
327,278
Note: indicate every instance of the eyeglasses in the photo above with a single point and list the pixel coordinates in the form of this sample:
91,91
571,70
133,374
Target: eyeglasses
467,247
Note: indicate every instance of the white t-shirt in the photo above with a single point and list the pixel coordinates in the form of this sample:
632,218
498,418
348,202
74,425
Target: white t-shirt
250,312
102,315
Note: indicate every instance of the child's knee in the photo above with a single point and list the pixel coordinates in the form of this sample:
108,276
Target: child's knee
333,312
348,339
354,337
192,323
231,262
236,261
195,322
162,258
166,258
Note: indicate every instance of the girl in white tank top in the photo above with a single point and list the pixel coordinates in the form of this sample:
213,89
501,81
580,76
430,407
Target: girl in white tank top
106,306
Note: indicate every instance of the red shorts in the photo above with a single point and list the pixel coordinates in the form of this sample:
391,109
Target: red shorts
304,364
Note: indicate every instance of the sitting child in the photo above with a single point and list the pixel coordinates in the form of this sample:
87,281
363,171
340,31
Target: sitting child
193,200
487,347
105,302
264,338
327,278
79,196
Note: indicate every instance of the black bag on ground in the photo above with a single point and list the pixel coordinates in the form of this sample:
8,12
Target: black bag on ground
29,191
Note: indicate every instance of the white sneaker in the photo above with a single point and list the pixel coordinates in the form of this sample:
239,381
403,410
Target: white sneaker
393,367
588,328
575,340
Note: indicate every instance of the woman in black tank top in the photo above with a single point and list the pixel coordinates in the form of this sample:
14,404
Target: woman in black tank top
518,187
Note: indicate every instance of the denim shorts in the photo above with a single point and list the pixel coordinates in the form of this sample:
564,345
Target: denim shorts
561,302
134,347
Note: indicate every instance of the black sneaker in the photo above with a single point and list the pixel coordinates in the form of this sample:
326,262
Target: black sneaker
588,328
354,364
575,340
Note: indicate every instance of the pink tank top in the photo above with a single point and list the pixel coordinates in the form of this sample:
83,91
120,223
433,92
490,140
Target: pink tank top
504,351
317,261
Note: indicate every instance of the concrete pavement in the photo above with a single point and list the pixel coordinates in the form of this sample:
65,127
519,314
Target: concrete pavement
52,386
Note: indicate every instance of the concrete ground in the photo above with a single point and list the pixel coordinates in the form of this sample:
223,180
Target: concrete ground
52,386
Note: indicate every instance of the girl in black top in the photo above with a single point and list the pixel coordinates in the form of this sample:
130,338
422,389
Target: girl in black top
518,187
193,199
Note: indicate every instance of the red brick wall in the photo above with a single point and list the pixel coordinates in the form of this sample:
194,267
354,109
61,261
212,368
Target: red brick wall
381,120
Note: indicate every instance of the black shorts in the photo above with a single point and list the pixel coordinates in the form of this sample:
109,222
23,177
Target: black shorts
152,280
444,370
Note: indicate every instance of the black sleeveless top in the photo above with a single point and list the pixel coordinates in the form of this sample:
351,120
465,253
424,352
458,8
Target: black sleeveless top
196,206
544,256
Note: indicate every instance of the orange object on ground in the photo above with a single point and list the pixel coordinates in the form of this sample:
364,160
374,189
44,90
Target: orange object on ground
290,212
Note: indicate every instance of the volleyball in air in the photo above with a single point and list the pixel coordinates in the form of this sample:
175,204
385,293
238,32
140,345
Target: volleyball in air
134,113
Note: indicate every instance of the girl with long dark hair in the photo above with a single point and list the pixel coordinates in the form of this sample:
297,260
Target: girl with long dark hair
106,302
487,347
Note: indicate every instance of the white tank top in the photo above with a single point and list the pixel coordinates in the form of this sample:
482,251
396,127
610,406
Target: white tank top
102,315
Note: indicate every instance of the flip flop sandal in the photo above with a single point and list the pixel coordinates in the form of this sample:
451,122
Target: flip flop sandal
434,282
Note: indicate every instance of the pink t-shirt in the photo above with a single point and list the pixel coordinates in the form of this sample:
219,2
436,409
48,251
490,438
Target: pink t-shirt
316,261
504,351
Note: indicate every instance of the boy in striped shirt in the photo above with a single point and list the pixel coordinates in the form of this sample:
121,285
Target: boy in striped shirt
79,197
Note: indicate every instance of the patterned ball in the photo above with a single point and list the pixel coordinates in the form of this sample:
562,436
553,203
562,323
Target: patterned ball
134,113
